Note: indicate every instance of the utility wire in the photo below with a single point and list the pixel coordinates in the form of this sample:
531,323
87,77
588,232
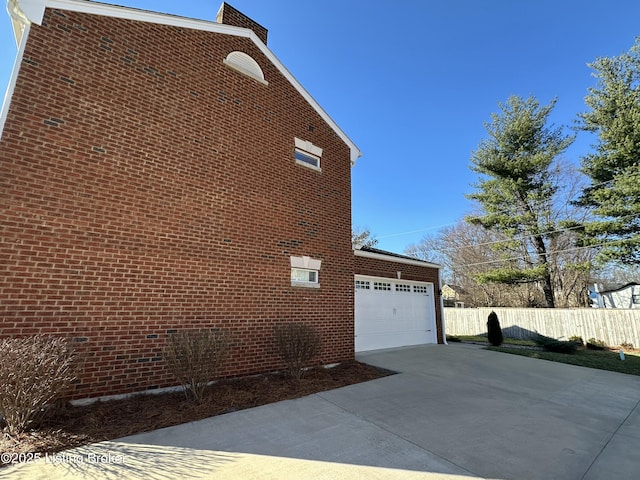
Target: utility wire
520,237
522,257
400,234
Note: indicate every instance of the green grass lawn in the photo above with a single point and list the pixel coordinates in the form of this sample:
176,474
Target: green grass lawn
603,360
483,339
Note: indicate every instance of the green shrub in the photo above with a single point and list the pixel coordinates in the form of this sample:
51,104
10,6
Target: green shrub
297,344
553,345
453,339
194,357
577,339
494,332
34,371
627,345
594,344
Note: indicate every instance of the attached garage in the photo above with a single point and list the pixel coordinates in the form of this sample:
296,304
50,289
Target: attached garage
392,313
397,302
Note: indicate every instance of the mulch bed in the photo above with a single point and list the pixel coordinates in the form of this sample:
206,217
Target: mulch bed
70,426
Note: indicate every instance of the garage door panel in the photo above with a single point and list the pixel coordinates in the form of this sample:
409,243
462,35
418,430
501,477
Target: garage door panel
401,316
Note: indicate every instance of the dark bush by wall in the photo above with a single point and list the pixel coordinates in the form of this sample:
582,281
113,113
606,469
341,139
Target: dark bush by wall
557,346
34,371
195,357
297,344
595,344
494,332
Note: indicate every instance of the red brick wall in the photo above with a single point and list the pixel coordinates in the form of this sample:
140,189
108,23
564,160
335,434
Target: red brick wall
376,267
146,187
230,16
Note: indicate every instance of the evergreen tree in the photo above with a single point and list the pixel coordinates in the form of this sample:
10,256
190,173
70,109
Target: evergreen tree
494,331
614,167
516,190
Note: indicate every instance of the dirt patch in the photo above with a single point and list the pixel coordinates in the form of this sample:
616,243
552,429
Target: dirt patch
69,426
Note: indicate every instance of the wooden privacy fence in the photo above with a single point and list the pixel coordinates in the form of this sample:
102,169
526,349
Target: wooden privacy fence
613,326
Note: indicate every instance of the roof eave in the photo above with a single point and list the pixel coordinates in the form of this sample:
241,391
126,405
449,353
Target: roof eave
392,258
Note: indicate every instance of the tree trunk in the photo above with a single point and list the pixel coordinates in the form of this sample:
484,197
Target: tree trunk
547,288
547,284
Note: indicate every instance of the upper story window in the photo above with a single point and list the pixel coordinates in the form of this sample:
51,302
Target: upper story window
307,159
243,63
307,154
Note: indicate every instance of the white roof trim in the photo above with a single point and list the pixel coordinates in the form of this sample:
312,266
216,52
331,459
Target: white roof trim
32,11
391,258
14,76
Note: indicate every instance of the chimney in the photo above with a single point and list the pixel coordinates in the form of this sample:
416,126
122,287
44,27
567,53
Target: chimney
230,16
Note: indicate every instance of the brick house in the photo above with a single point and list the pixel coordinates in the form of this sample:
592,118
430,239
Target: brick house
160,173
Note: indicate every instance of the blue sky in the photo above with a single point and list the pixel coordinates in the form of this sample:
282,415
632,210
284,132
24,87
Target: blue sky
412,82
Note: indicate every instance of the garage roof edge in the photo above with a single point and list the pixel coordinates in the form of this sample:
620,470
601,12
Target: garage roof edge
368,252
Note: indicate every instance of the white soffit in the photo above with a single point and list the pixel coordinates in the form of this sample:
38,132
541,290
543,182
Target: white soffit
391,258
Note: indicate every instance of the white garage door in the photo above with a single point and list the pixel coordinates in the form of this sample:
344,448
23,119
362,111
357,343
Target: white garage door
393,313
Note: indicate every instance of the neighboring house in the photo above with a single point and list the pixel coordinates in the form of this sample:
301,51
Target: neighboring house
453,296
161,173
616,296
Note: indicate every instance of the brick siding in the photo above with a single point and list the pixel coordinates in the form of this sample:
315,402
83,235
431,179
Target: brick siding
230,16
147,187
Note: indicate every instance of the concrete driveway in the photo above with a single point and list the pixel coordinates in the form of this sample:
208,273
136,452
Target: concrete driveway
453,412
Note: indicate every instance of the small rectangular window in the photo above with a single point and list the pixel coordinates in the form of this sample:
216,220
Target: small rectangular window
419,289
302,276
363,285
307,154
401,287
635,298
307,159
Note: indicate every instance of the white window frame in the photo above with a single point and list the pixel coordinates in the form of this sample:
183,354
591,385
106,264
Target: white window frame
308,267
311,154
306,159
311,275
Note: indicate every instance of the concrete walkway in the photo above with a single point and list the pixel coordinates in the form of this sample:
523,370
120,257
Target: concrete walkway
454,412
